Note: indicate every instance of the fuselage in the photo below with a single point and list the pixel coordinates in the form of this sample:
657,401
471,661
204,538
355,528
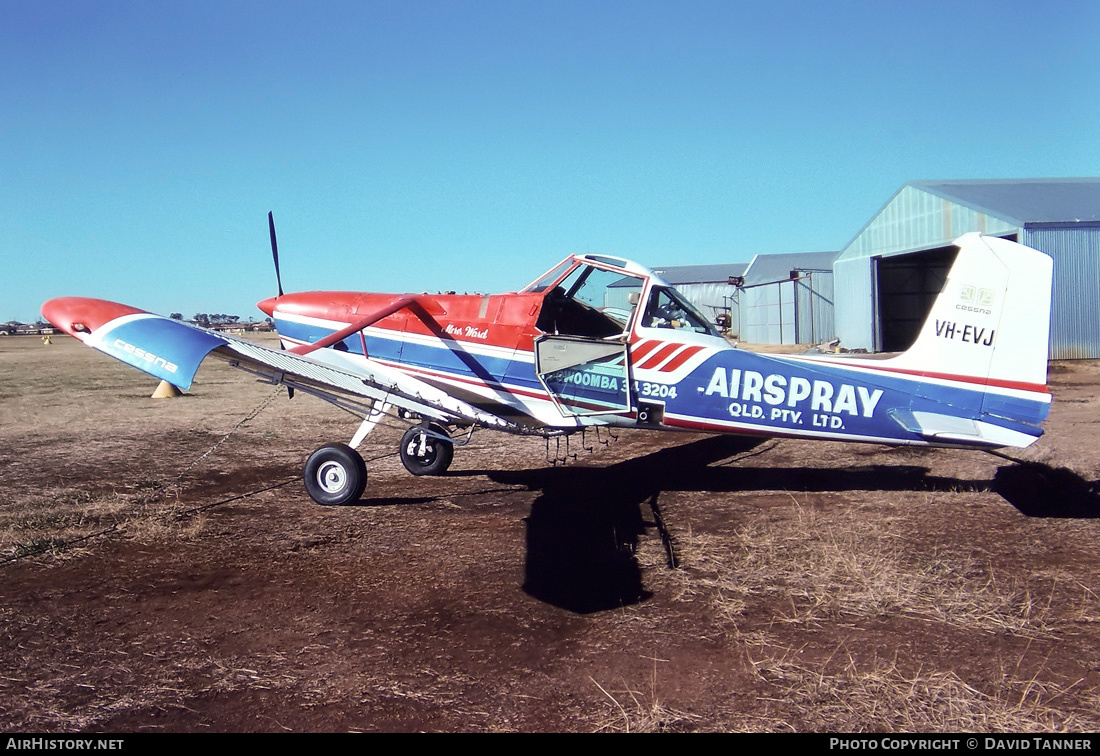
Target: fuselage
476,346
600,341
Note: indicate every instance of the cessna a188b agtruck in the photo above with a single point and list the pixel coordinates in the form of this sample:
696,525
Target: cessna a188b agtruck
603,341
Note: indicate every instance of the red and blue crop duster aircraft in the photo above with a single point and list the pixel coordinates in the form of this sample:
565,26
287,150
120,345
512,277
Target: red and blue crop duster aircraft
601,341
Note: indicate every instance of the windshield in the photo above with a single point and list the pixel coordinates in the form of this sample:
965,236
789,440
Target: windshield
590,301
549,278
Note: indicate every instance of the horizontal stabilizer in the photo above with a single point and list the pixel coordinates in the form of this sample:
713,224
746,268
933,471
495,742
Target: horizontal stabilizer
954,429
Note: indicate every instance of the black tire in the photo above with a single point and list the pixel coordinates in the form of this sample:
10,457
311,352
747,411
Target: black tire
335,475
433,459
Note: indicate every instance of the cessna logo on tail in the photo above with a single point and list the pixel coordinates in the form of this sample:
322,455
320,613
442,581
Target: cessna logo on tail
974,295
973,299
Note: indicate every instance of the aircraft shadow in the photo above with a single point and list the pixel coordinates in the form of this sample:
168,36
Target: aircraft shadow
584,526
1039,490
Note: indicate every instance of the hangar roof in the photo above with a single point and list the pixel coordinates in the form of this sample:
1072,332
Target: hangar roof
765,268
1024,200
678,275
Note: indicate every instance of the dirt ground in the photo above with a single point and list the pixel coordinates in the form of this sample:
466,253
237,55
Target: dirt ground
816,586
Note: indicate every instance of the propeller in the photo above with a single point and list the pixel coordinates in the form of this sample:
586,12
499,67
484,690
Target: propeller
278,277
274,250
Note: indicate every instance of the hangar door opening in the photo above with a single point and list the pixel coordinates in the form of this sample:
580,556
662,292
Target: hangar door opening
906,287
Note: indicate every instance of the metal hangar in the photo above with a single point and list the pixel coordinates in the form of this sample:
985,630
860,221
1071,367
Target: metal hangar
888,275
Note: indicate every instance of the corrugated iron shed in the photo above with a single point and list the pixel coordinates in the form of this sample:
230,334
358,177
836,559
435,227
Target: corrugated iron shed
778,309
1058,216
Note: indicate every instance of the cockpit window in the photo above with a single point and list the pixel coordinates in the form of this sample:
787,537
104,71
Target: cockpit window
591,302
547,280
667,308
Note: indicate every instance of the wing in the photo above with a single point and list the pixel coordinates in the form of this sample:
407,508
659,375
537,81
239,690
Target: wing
173,350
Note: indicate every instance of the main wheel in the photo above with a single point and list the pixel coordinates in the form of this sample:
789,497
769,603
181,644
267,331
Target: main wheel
423,454
335,475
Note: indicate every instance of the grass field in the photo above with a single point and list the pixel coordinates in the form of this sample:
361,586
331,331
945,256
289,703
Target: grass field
164,570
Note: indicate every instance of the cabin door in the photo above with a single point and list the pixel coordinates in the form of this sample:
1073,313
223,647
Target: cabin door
584,376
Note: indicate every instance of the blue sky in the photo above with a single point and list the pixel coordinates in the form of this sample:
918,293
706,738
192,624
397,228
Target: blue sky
410,146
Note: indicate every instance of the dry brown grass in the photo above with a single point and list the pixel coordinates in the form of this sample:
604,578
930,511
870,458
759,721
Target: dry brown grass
637,711
830,610
59,523
827,569
842,570
48,523
77,409
880,697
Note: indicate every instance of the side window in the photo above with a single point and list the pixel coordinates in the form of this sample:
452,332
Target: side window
662,312
667,309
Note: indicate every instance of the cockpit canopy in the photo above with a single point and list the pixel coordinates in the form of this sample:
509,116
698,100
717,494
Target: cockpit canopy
598,296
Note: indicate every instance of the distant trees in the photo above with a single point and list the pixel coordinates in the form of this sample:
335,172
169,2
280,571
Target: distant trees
218,318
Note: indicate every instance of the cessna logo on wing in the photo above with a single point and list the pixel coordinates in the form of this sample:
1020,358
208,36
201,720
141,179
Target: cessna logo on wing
147,356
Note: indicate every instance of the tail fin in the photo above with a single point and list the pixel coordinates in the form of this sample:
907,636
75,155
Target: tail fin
989,329
991,322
